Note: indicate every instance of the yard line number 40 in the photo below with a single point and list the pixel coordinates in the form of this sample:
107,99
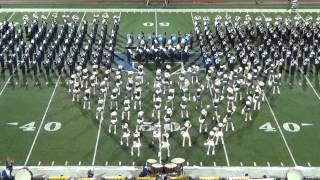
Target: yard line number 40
288,126
50,126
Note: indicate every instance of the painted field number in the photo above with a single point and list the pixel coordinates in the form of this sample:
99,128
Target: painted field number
50,126
287,126
291,127
28,127
149,24
267,127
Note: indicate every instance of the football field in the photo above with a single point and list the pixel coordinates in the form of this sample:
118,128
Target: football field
40,125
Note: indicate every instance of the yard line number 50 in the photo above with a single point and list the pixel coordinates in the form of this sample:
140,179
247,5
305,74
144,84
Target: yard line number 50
50,126
288,126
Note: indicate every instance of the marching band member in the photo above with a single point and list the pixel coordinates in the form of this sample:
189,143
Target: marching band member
247,110
86,98
183,105
114,120
118,80
126,108
257,98
167,120
185,133
276,83
228,119
140,119
170,98
125,134
100,109
165,144
211,143
76,92
93,83
198,97
136,144
216,103
219,133
203,120
137,97
167,81
157,103
140,72
156,135
114,98
181,78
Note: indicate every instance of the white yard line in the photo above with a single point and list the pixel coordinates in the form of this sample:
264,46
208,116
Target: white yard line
156,21
263,15
306,76
48,14
179,70
42,121
226,153
192,18
301,17
84,14
5,85
98,136
280,130
314,90
12,15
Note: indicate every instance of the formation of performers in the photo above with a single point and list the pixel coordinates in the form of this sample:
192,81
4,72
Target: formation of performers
158,48
37,47
241,59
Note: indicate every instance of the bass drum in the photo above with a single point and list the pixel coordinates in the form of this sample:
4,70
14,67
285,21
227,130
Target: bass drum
23,174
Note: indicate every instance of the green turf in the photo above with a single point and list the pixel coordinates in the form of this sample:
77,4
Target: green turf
76,139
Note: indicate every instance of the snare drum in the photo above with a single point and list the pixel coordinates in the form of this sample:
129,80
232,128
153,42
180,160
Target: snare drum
170,168
156,168
23,174
151,161
179,162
